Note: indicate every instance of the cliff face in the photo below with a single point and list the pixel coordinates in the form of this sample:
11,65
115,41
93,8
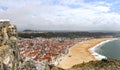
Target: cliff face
9,50
9,55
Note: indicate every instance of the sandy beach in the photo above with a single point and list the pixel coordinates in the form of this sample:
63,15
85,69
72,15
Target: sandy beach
80,53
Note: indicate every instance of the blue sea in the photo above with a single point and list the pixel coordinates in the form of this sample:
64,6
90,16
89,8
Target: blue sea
110,49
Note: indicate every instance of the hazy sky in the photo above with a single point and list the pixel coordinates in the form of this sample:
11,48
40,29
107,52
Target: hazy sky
62,14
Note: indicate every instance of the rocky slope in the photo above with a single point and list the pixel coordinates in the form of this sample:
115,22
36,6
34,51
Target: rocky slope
9,55
104,64
9,52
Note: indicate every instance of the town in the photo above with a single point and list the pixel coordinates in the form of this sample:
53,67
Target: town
50,49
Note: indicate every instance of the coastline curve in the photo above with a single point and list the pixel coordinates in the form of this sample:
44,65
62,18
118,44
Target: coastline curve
97,55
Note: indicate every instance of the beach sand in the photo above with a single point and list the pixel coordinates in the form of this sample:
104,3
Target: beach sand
80,53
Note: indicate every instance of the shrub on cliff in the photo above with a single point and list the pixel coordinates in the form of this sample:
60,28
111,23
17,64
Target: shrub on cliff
104,64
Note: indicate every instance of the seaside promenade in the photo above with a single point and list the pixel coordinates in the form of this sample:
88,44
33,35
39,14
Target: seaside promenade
80,53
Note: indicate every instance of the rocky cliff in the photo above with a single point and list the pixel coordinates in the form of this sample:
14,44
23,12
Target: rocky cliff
9,50
9,56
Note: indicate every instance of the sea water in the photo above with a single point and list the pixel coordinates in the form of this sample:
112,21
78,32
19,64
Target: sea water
109,49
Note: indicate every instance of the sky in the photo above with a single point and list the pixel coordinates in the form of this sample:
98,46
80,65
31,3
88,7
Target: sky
72,15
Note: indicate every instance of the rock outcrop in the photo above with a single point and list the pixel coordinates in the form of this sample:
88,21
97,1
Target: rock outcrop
9,55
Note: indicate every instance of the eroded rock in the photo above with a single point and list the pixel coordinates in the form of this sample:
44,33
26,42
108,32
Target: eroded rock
9,55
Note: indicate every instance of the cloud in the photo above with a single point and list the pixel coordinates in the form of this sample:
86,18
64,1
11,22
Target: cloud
60,14
3,8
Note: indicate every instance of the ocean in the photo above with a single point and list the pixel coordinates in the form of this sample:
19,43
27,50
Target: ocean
109,49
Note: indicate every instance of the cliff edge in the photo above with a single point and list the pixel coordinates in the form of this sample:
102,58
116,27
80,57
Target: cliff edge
9,55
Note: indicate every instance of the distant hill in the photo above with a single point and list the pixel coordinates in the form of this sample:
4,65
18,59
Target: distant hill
29,34
104,64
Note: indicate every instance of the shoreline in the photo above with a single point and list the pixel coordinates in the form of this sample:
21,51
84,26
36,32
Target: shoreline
97,55
81,52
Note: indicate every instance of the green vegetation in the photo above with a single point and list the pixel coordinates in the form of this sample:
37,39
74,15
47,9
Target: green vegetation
104,60
65,34
104,64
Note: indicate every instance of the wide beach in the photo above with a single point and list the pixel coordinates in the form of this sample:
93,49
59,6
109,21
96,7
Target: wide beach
80,53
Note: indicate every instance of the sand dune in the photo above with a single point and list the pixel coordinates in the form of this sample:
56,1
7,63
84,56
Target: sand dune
80,53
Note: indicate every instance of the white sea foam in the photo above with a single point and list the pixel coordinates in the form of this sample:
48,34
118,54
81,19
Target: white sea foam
97,55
